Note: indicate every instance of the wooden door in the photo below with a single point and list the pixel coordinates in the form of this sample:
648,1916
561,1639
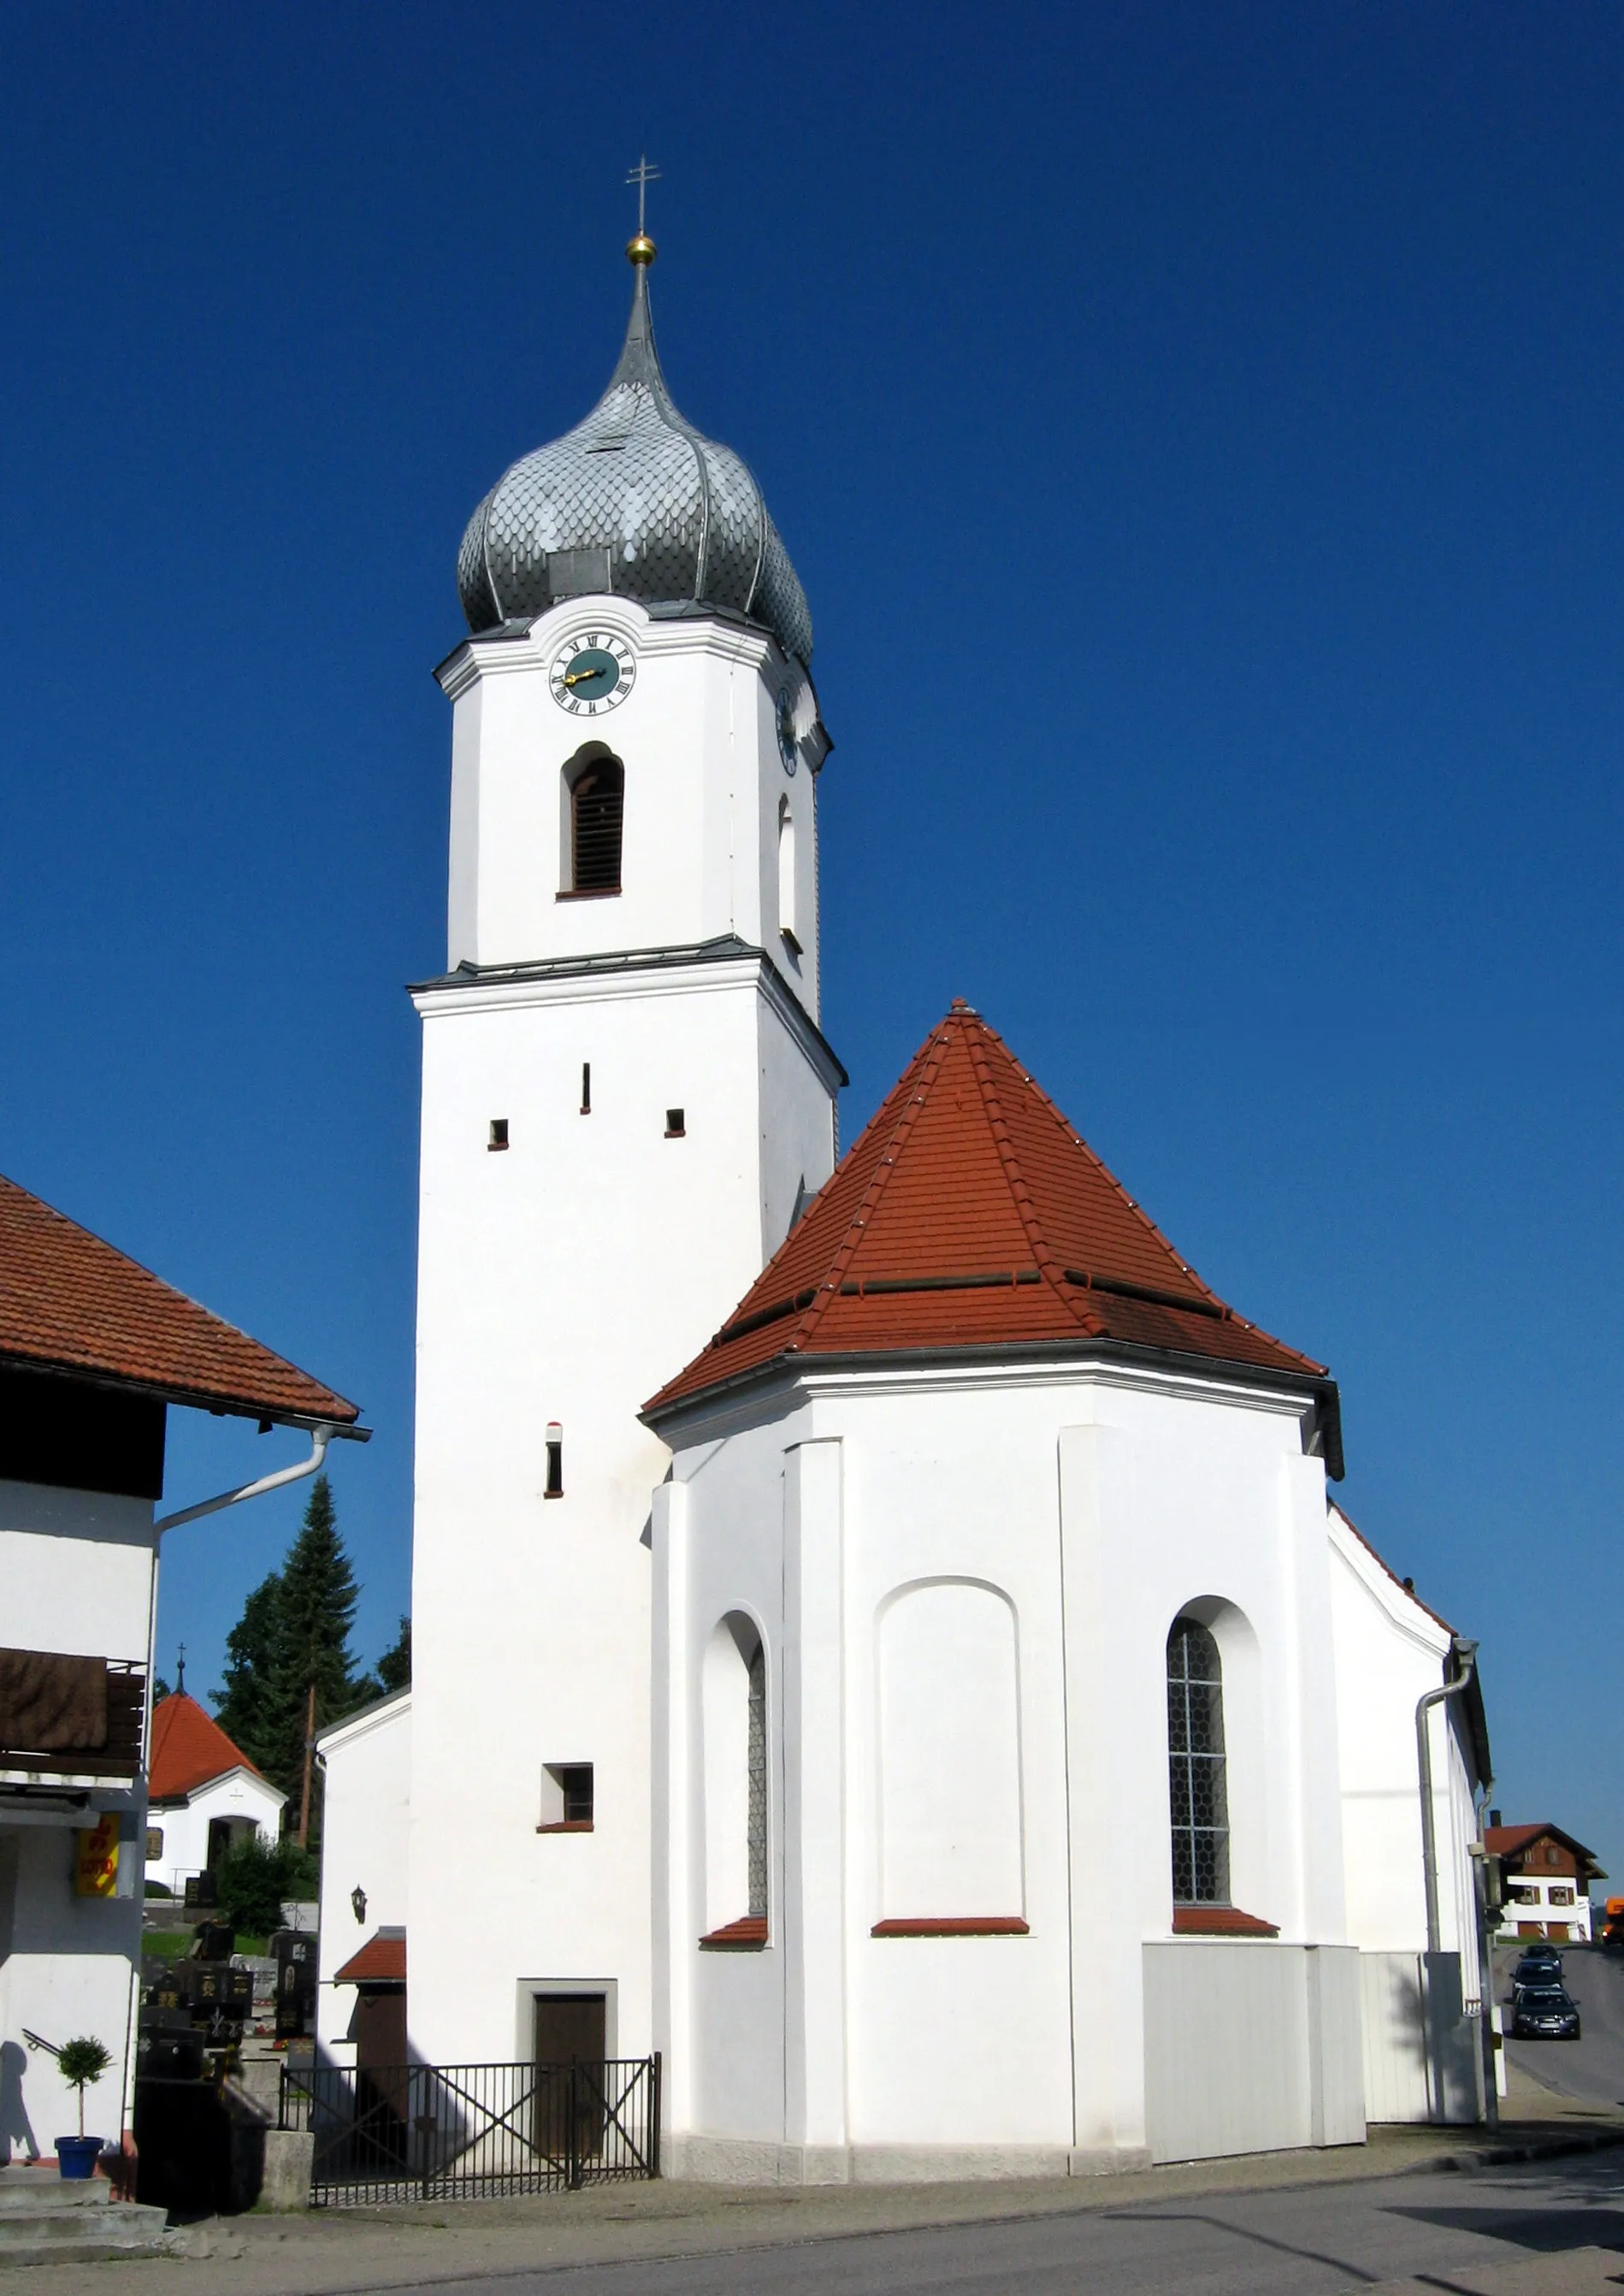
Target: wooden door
571,2031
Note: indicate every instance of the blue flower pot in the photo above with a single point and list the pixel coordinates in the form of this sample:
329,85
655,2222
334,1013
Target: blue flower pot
77,2156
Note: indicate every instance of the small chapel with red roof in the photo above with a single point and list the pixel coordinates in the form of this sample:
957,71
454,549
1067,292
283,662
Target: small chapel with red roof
882,1639
204,1795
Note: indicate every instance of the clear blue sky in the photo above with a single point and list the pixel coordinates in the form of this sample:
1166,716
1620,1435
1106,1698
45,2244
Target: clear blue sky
1197,429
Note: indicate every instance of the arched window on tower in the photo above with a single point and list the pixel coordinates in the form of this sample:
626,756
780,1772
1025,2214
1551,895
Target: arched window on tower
1196,1766
597,807
786,876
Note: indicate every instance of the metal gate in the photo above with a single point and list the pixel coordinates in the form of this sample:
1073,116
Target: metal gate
472,2132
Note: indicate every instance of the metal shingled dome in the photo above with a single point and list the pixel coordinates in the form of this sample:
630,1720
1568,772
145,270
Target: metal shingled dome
635,501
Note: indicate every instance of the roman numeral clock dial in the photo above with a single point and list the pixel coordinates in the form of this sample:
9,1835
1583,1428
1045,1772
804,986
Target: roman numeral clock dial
594,672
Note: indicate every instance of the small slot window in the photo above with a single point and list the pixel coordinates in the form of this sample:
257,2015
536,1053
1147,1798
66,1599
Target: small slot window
567,1798
586,1087
675,1128
555,1461
498,1133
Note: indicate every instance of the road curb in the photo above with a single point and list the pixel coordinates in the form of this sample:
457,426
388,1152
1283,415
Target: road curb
1498,2156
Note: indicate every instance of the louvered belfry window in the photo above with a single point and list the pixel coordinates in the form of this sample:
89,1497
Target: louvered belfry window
597,806
757,1758
1196,1766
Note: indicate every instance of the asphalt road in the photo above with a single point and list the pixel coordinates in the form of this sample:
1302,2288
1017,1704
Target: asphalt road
1306,2241
1592,2068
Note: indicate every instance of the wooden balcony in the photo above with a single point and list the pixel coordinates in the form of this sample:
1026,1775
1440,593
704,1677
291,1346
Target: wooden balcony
66,1716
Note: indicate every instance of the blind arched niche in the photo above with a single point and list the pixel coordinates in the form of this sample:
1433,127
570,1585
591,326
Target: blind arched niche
949,1756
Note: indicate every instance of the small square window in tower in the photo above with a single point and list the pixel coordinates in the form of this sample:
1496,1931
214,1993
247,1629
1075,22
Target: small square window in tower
567,1798
676,1126
555,1461
498,1135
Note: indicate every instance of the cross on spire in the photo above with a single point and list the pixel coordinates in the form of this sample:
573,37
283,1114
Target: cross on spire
642,176
180,1668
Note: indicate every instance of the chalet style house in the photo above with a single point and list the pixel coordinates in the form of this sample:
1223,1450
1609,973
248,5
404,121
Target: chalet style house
1547,1882
93,1350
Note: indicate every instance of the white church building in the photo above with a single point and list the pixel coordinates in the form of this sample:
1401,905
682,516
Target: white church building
946,1720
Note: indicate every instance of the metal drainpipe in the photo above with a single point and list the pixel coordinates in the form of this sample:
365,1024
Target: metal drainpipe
320,1438
1466,1656
1485,1951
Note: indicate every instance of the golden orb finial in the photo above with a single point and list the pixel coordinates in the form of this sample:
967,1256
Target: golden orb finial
641,250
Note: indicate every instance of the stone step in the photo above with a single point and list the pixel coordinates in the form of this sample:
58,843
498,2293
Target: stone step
77,2236
24,2191
84,2247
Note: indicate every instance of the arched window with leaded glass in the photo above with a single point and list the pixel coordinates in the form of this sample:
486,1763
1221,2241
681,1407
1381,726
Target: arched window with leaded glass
1196,1766
755,1766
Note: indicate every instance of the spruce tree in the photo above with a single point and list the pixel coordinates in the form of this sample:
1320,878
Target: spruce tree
250,1706
315,1671
394,1667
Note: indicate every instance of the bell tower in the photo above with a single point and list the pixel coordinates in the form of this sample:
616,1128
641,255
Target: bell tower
626,1098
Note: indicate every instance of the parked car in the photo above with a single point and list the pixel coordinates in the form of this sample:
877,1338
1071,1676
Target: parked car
1546,2013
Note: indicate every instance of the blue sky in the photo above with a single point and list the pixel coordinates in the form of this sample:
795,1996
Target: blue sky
1196,429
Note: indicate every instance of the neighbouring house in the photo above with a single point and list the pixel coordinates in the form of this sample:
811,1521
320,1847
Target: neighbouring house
366,1762
94,1352
1548,1877
203,1795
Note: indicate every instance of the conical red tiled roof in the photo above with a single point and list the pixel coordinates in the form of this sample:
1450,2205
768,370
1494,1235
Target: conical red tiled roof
189,1748
69,1302
970,1215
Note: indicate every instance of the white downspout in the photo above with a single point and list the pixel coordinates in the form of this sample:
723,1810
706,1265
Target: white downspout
320,1438
1466,1656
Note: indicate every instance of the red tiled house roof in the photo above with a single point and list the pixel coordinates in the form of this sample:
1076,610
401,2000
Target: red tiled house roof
970,1217
380,1961
1513,1840
189,1748
69,1302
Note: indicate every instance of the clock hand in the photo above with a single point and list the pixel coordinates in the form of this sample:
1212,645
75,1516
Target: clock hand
577,677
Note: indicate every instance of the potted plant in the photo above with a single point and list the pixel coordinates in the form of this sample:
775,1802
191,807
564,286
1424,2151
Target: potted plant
81,2062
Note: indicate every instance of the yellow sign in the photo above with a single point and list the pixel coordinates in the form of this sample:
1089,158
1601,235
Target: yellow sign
96,1868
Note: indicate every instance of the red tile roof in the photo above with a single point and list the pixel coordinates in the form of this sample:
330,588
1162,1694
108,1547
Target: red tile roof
381,1960
69,1302
969,1216
189,1748
1511,1840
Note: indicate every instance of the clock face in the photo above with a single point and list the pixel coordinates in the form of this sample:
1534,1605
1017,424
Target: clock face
785,715
595,671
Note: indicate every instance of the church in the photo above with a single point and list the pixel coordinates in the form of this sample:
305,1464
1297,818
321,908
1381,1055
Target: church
882,1636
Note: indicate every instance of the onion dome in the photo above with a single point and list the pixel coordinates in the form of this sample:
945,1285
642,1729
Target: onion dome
632,500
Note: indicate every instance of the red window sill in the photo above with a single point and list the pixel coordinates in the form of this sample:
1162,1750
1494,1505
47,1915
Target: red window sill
955,1925
1219,1921
748,1936
591,893
568,1825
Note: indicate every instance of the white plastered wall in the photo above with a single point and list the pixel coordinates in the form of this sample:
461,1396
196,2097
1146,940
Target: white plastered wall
565,1278
366,1763
704,782
1390,1652
1086,1511
77,1570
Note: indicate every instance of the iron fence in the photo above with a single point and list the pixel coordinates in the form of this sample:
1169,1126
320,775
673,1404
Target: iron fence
473,2132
